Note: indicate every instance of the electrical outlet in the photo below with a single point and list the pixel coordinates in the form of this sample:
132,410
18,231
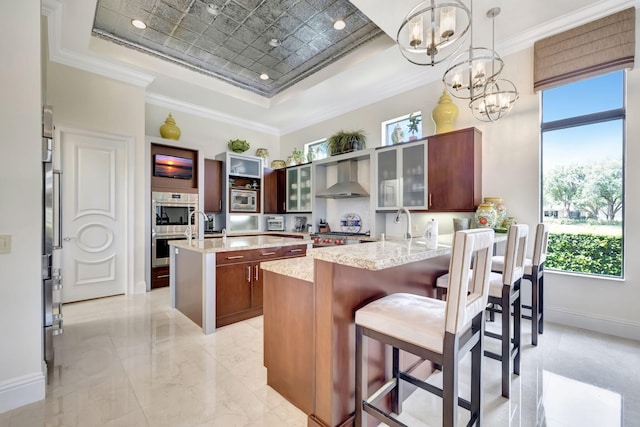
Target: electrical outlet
5,243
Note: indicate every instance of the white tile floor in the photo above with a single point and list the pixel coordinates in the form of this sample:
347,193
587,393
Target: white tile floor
133,361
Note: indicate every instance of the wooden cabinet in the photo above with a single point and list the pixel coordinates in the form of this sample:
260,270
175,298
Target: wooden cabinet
239,283
455,171
159,277
212,185
275,191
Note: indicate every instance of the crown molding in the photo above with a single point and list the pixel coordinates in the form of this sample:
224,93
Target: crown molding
207,113
52,9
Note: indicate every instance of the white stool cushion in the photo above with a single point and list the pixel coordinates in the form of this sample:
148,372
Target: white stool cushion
443,281
497,264
495,285
407,317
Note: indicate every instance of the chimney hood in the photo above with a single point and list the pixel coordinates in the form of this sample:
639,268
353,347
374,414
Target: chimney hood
347,185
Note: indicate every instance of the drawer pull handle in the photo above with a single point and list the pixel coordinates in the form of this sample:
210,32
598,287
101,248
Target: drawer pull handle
295,250
236,257
248,274
267,253
256,272
162,276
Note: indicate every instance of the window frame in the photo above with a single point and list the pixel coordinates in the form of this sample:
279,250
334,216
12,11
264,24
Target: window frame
387,124
585,120
318,142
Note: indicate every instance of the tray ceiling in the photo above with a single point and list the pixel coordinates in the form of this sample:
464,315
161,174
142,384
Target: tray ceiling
234,45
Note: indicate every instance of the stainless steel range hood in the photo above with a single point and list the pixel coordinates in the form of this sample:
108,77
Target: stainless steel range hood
347,185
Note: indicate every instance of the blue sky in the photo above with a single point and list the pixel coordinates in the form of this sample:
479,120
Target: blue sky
584,144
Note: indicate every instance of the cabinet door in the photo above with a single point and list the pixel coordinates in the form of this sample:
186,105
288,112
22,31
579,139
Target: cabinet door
274,191
212,185
233,288
244,166
414,174
304,186
292,190
455,171
388,179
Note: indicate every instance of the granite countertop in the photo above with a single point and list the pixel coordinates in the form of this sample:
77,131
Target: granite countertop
300,268
215,234
378,255
238,243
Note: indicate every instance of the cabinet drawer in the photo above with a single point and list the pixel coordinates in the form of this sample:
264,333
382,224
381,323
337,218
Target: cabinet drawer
293,251
233,257
159,277
267,253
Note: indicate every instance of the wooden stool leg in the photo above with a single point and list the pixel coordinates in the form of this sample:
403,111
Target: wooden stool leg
541,301
517,330
506,342
396,401
476,374
359,377
450,381
535,307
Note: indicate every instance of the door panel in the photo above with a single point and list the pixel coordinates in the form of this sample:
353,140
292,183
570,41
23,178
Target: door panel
93,215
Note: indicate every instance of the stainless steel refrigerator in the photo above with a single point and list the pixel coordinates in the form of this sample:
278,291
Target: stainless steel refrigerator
51,232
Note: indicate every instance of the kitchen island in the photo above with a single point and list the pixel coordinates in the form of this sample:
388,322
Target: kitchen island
309,306
215,282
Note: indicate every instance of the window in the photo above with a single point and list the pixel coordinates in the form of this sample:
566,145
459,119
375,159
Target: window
402,129
318,150
583,175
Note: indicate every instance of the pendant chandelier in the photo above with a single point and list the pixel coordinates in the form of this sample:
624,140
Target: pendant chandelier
433,31
471,70
499,94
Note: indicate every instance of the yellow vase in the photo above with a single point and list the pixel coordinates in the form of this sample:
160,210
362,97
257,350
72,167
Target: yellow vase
169,130
445,114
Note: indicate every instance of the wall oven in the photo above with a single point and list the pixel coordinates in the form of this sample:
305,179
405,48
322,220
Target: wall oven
170,218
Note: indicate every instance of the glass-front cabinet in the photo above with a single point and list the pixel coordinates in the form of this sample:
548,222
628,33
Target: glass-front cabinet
402,176
244,166
299,189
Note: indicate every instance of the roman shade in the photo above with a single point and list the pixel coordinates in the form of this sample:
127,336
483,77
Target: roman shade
601,46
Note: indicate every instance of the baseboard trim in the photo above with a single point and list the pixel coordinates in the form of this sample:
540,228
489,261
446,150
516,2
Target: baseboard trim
602,324
140,287
21,391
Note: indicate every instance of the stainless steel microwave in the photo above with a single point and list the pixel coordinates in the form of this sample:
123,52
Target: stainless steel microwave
244,201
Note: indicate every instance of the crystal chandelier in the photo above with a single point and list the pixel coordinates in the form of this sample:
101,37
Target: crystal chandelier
499,94
471,70
433,31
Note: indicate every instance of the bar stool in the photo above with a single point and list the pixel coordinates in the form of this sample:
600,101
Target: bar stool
534,273
504,291
438,331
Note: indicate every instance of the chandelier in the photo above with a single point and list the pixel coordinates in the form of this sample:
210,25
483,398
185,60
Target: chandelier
499,94
433,31
471,70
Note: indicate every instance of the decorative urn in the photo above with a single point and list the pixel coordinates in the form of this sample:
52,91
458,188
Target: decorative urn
169,130
445,114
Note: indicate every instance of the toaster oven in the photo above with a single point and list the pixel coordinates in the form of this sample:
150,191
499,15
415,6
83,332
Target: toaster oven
275,223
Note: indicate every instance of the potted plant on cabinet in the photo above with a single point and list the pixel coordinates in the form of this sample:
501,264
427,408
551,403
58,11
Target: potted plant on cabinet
345,142
414,121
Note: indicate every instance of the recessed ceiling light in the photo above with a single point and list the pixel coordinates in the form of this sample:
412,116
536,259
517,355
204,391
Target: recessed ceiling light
274,42
339,24
264,76
138,24
213,9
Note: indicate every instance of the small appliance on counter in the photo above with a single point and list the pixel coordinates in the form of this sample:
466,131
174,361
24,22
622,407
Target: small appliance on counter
300,223
210,224
275,223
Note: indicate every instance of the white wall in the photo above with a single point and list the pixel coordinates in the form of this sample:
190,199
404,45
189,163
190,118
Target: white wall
510,166
21,376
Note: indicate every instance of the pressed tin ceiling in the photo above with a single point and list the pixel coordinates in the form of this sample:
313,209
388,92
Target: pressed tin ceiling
234,45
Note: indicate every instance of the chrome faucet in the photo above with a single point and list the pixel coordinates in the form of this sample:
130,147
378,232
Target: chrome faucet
407,235
188,232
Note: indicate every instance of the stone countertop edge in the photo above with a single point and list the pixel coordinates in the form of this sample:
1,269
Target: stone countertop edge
218,234
233,243
377,255
300,268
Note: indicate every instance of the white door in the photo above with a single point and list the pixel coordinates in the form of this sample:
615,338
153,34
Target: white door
94,221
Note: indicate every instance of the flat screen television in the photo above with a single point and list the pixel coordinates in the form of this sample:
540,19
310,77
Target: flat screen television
172,166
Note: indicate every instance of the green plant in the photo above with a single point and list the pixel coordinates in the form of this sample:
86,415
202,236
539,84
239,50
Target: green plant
585,253
238,145
414,121
344,142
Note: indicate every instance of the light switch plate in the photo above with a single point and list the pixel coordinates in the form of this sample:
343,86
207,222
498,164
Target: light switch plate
5,243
